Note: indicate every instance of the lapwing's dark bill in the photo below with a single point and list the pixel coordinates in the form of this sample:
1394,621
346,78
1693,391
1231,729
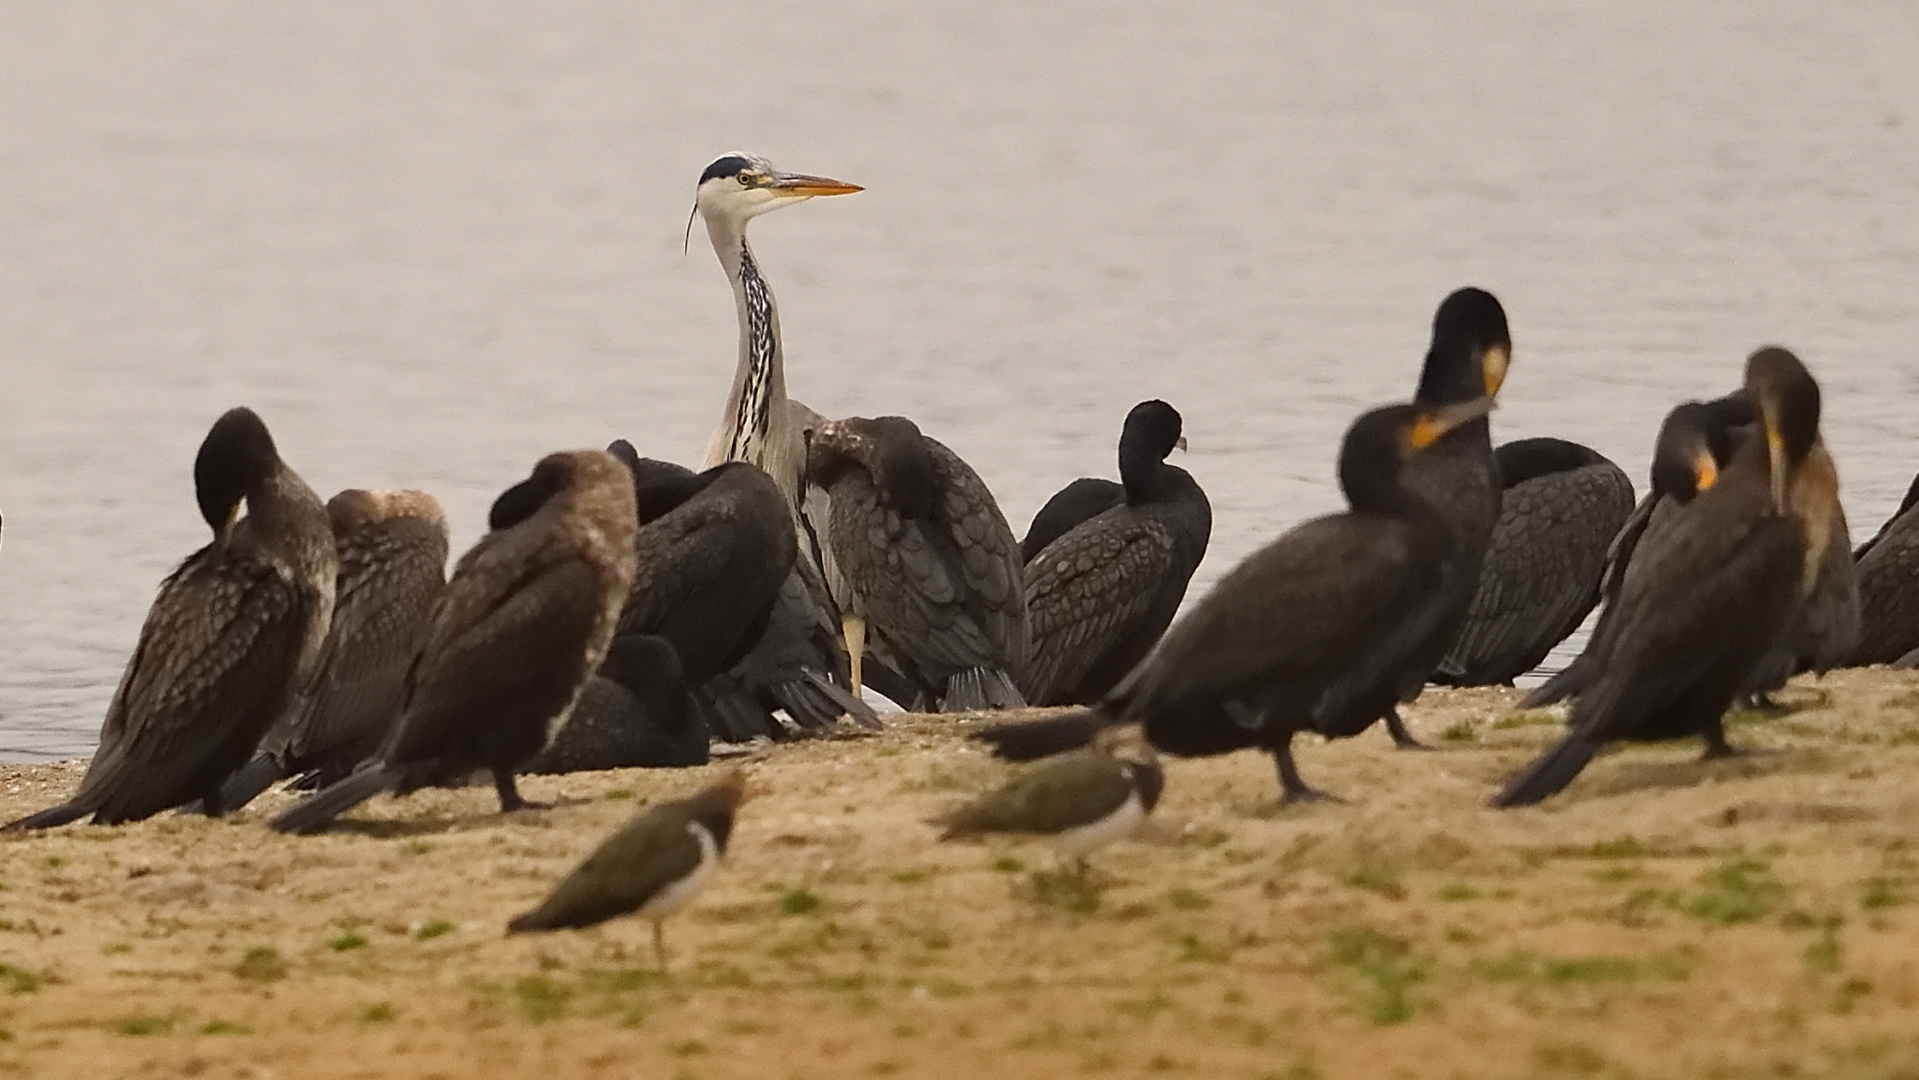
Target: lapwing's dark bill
652,867
1083,800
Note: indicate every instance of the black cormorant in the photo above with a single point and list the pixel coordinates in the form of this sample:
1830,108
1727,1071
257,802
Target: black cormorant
1101,594
652,867
1703,601
920,556
525,618
1888,574
232,634
1560,506
633,713
392,547
1082,500
1310,633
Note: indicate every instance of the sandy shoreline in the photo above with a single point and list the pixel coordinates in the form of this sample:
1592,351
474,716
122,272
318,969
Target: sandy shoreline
1663,918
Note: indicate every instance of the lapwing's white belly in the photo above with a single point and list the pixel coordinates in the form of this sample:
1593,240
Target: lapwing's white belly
1077,843
675,896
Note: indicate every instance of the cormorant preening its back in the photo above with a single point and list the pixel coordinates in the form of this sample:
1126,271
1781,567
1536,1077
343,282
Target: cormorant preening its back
634,713
921,557
1101,594
392,547
231,635
1470,351
1705,599
1560,506
1248,666
524,620
1888,574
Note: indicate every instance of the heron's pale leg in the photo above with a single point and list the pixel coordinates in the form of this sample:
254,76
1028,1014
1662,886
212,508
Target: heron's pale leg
854,627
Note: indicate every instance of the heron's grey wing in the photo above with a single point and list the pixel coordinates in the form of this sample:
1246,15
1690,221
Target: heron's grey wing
1542,571
1085,592
214,657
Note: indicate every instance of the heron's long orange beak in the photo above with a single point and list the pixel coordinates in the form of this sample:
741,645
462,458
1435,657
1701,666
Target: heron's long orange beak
809,186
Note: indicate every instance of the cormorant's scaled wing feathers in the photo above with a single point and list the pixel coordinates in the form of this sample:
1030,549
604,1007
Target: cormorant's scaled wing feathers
1083,592
203,625
989,556
934,604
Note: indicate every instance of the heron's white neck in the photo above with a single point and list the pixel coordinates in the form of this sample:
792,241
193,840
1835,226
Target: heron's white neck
755,427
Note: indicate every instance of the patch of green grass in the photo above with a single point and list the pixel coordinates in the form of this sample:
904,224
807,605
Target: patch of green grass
1825,953
1573,970
115,948
687,1048
347,942
1460,731
261,963
418,847
1068,892
912,876
1849,994
1185,899
1377,878
1613,875
224,1027
1006,864
378,1013
1569,1059
1527,718
1879,893
1622,847
55,862
142,1025
619,794
19,980
541,999
1385,967
1456,892
945,989
799,901
1192,950
433,928
1741,889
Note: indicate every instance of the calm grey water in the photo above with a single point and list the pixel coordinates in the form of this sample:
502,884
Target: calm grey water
430,242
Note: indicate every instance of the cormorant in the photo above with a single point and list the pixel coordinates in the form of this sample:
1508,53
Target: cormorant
1704,600
653,866
234,631
634,713
1101,594
526,617
1310,633
1084,799
1888,574
1560,506
1080,501
920,555
392,547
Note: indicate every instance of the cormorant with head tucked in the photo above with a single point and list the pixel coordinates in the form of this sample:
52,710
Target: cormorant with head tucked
1704,600
1100,594
525,619
920,555
232,634
1560,506
392,547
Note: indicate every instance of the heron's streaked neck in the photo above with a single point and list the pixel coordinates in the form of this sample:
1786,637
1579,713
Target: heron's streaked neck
759,382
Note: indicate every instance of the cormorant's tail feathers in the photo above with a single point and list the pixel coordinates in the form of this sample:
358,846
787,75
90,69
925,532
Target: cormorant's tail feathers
248,781
980,688
50,817
1571,681
1553,771
1027,740
815,701
321,808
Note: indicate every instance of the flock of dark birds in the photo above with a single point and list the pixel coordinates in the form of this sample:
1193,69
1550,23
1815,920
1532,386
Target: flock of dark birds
624,611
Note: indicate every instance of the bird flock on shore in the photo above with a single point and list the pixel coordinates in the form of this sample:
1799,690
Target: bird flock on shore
627,611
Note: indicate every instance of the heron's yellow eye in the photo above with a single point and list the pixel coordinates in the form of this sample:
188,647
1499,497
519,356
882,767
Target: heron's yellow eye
746,179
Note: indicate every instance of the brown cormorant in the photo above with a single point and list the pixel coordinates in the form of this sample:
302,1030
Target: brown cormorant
1704,600
525,618
920,556
1084,799
1560,506
652,867
1310,633
1102,593
234,631
1888,574
392,547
